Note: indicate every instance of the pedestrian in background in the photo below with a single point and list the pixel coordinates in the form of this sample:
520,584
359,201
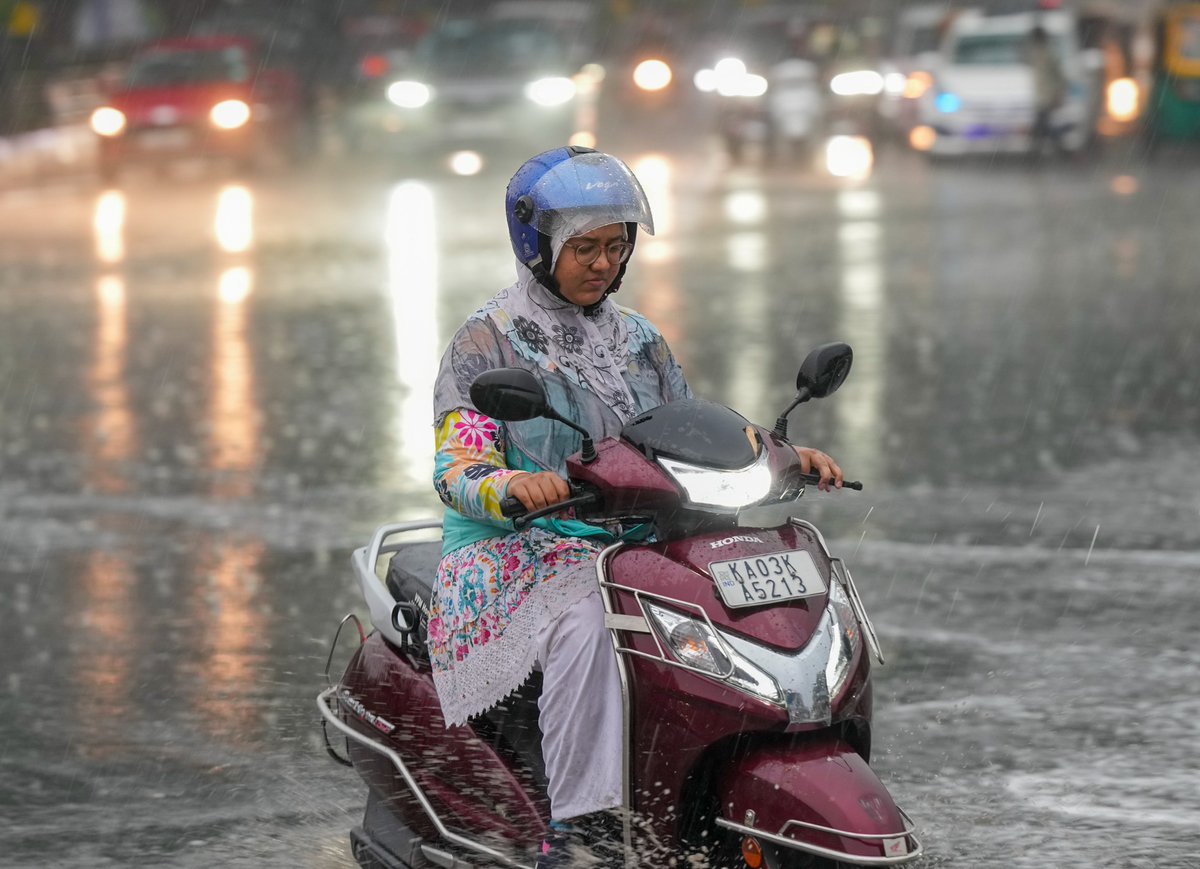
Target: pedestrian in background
1049,92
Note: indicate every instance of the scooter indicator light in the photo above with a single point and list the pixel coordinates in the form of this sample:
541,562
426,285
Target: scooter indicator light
752,852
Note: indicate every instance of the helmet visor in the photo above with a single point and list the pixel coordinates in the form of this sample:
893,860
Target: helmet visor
585,193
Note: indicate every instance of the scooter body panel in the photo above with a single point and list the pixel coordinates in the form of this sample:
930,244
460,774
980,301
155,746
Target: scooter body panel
673,748
389,694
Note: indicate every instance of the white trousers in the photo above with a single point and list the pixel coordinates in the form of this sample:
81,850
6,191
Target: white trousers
580,711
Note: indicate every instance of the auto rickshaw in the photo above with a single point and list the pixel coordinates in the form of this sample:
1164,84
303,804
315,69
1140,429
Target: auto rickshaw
1173,110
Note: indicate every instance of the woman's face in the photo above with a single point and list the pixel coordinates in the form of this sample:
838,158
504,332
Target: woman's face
585,284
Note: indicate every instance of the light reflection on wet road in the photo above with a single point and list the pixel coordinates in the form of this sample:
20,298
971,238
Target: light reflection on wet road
210,392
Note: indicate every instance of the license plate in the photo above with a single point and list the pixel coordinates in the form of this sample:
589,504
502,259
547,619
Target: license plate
484,126
761,579
165,140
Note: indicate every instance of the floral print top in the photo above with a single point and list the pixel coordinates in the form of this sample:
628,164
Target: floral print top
496,588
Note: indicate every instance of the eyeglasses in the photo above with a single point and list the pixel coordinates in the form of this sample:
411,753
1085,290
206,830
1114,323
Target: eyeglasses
587,252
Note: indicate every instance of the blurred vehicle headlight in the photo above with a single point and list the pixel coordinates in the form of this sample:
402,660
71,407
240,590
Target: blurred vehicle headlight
693,643
409,94
947,103
554,90
229,114
709,487
652,75
751,86
107,121
1123,99
917,84
894,83
705,80
860,82
849,157
466,163
731,79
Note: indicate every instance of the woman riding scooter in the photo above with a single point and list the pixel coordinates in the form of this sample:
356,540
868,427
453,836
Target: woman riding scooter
508,601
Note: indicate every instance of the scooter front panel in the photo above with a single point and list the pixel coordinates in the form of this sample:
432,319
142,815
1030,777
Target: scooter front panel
671,569
818,795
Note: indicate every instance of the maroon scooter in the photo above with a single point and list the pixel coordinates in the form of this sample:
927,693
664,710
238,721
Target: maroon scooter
742,644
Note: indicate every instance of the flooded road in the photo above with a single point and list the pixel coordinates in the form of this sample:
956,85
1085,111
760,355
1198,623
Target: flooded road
211,391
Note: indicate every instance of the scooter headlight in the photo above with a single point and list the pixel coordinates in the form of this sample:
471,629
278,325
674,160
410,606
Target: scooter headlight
709,487
695,644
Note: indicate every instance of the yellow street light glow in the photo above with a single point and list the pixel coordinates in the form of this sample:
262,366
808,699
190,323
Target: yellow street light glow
107,121
922,138
229,114
652,75
582,139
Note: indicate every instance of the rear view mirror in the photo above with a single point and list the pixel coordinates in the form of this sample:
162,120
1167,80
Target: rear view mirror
509,395
825,369
515,395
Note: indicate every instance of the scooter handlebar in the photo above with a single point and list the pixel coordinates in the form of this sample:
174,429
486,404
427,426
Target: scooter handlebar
813,479
511,508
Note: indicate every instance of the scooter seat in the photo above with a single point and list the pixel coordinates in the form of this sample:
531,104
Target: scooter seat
410,576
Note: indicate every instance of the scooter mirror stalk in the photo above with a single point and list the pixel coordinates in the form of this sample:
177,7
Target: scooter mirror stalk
515,395
822,373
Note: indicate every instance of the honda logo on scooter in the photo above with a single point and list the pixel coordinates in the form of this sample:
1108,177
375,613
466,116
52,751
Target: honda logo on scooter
737,538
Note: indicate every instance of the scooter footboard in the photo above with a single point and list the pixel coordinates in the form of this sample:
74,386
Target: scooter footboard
818,796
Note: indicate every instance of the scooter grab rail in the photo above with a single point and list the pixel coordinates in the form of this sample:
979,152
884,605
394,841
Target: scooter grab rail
856,604
780,838
325,701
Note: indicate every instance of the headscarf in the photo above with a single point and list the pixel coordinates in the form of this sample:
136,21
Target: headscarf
579,356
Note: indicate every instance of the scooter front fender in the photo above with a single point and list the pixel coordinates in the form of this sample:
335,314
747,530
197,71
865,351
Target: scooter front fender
819,796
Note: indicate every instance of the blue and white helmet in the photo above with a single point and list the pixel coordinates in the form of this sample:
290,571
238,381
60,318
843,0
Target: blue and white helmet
566,192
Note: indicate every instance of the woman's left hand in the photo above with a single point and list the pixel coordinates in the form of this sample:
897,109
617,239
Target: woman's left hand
815,461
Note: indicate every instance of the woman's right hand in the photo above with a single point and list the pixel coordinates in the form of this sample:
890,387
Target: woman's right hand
535,491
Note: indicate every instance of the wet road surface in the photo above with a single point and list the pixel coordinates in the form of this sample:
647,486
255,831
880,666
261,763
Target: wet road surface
210,391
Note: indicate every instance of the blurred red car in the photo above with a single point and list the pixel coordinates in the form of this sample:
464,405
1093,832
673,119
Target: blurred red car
210,96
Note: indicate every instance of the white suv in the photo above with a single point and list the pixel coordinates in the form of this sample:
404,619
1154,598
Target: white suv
982,98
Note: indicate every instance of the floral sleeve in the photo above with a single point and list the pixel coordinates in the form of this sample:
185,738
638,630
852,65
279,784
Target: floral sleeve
469,473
